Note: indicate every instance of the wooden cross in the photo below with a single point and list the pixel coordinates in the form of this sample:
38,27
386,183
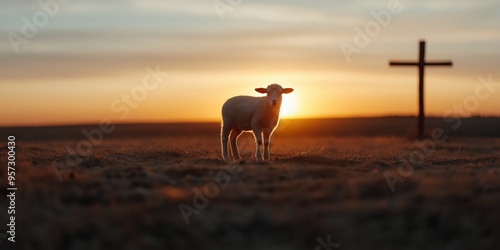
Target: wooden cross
421,66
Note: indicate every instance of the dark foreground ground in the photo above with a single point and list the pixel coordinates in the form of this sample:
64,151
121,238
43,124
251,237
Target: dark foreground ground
316,193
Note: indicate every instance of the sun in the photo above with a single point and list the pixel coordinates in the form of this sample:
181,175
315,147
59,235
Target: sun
288,105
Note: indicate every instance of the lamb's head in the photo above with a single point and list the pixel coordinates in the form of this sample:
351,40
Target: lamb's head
274,92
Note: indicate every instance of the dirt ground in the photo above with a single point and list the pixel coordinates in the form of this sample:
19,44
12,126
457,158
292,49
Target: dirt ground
315,193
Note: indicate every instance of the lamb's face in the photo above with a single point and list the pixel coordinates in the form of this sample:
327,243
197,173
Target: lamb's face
274,92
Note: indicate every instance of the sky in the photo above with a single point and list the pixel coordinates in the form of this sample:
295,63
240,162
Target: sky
76,61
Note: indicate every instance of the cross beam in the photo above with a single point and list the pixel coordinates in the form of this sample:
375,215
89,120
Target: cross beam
421,66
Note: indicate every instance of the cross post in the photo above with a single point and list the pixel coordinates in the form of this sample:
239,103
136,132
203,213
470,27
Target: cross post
421,69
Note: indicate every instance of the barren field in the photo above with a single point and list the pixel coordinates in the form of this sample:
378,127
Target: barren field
175,192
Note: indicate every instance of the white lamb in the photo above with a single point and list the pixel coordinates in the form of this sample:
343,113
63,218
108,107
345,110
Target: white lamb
257,114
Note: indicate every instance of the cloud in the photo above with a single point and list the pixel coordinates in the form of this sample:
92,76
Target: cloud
92,38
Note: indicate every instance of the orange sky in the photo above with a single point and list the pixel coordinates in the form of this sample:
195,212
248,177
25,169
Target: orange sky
82,64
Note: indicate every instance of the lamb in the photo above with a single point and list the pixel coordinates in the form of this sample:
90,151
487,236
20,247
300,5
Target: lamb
247,113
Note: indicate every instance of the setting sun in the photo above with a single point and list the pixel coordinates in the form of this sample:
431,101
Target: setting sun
289,105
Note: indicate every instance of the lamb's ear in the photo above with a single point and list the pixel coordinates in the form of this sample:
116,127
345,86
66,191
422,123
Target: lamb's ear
261,90
287,90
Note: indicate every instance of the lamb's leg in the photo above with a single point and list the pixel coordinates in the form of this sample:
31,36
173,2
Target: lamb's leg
235,133
224,134
258,139
267,137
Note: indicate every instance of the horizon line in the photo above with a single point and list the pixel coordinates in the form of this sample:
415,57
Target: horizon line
76,124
